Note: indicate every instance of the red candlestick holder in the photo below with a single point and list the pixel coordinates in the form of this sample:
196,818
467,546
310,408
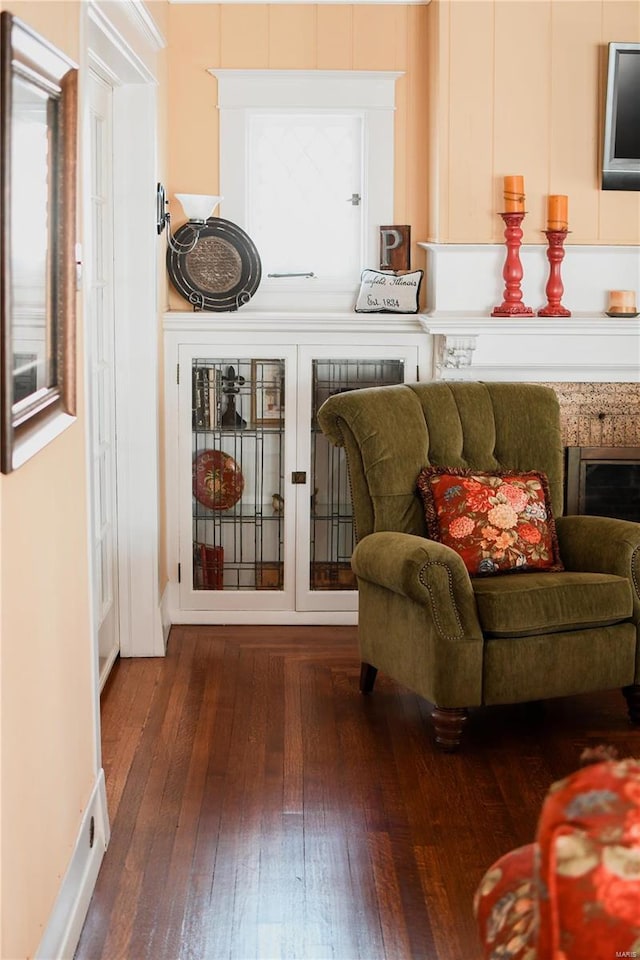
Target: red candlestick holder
512,305
554,288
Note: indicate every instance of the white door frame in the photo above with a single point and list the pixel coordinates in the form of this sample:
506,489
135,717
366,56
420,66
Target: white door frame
99,391
120,43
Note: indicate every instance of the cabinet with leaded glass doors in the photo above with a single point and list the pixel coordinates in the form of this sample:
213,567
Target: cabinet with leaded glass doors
265,530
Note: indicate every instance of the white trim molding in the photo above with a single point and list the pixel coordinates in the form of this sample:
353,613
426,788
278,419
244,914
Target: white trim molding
132,66
131,34
141,17
465,282
323,89
39,435
137,385
589,348
166,603
110,49
177,614
303,325
64,926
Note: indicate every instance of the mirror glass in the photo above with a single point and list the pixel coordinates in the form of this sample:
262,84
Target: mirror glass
38,141
33,361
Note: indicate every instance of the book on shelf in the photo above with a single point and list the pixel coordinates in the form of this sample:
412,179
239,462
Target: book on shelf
206,399
212,398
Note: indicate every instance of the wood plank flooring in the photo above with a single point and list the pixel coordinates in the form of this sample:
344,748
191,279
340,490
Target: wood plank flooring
263,809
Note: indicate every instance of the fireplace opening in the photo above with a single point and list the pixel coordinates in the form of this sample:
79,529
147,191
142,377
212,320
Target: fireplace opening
603,482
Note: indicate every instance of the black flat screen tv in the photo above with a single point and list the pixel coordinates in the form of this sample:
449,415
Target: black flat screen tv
621,153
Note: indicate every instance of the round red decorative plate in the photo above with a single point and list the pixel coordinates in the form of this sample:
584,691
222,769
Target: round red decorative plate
217,480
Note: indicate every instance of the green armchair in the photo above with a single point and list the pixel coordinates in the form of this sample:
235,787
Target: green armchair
463,641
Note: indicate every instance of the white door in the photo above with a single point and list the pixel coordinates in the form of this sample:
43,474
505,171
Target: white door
101,369
324,524
253,536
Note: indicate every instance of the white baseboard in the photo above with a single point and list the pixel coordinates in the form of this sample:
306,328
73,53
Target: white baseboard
174,613
166,603
64,926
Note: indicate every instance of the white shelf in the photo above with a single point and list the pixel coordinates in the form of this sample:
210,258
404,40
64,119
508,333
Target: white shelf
583,324
586,347
301,322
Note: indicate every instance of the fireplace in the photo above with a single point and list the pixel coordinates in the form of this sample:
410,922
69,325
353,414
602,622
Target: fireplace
590,359
603,481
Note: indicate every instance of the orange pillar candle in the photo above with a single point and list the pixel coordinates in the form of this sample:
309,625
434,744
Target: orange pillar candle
514,194
622,302
558,212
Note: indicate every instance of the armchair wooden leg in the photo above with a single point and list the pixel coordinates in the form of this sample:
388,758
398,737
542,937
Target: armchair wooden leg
367,677
448,723
632,696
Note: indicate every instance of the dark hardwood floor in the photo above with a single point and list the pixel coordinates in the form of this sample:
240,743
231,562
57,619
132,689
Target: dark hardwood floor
261,807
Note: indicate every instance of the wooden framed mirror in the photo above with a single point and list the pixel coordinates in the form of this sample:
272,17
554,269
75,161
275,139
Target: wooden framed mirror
38,146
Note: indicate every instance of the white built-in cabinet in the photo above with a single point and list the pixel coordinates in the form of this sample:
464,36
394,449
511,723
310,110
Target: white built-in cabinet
259,524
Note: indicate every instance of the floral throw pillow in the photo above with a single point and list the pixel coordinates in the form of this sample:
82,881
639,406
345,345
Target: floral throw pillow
497,522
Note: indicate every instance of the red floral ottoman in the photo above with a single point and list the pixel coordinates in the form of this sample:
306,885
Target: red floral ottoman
574,894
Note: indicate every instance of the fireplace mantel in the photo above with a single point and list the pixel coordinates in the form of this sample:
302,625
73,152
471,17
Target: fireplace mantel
464,282
587,347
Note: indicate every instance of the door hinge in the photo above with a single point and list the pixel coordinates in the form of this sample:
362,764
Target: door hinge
179,573
417,373
178,373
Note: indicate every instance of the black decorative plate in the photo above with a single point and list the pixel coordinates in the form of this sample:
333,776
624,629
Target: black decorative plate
222,271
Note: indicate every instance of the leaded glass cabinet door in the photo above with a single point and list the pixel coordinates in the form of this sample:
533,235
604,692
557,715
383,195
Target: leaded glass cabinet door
236,541
326,535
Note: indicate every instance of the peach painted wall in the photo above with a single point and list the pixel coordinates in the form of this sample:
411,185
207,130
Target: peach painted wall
469,109
48,756
518,87
304,37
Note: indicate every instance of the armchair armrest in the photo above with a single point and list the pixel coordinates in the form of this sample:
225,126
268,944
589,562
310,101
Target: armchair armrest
598,544
602,545
424,571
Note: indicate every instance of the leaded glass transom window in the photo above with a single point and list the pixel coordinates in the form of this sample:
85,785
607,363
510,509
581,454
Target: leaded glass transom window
305,189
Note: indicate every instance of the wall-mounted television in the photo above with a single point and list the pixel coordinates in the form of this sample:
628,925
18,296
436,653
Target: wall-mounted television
621,154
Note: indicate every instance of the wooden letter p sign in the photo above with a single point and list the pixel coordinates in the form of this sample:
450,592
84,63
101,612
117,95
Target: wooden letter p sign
395,247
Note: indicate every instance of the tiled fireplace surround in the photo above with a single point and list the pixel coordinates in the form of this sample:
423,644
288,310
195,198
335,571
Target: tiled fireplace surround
592,361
